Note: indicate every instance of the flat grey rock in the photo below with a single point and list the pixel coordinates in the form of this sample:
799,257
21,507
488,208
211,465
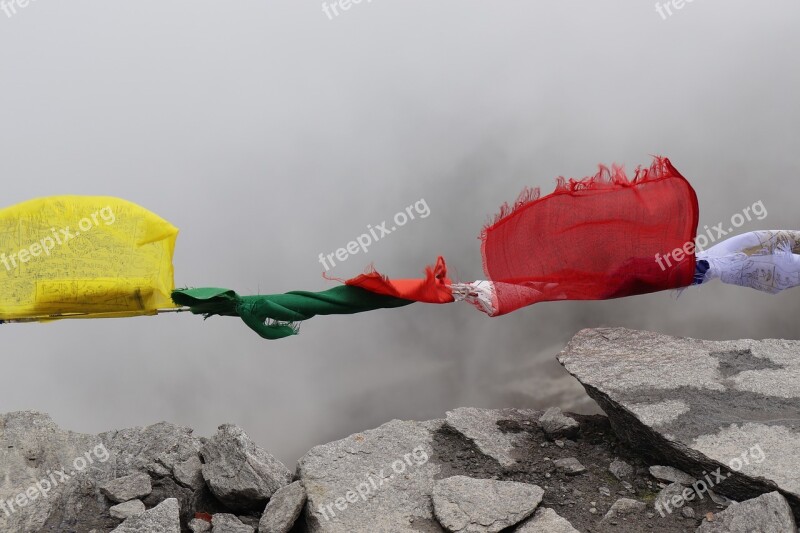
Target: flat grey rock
625,507
481,427
702,405
283,509
127,488
164,518
769,513
546,520
378,480
126,510
671,475
228,523
239,473
467,505
570,466
557,425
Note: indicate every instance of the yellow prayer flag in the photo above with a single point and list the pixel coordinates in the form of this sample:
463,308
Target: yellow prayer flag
84,257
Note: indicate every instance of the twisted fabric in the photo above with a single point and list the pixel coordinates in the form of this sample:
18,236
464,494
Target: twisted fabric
276,316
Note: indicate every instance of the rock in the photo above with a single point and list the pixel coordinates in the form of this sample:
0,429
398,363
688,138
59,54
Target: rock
625,507
283,509
621,470
569,466
239,473
687,512
670,498
672,475
719,499
127,488
546,521
700,405
228,523
126,510
154,449
769,513
189,473
378,480
469,505
199,526
32,448
164,518
481,427
556,425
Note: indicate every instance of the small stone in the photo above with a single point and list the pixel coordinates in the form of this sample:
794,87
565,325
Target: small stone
126,510
593,510
569,466
559,443
228,523
620,470
605,491
556,424
719,499
127,488
199,526
687,512
672,475
163,518
625,507
545,520
665,497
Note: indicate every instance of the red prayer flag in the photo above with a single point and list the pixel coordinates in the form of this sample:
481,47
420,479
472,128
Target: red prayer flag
592,239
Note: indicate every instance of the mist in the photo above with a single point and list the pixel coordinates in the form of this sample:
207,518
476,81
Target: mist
269,133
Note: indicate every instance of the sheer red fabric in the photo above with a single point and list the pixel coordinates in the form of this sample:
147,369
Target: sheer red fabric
433,289
593,239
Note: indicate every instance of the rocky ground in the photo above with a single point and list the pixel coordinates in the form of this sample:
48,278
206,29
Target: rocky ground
694,440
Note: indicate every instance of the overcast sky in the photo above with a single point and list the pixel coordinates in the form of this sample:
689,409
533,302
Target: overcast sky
269,133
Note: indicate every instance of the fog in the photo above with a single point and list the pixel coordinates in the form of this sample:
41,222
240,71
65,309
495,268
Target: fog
269,133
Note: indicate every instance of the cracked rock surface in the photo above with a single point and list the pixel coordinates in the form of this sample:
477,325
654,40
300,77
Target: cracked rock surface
701,405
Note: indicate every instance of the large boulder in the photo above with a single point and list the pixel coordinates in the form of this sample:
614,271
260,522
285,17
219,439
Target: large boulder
45,478
768,512
723,411
378,480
